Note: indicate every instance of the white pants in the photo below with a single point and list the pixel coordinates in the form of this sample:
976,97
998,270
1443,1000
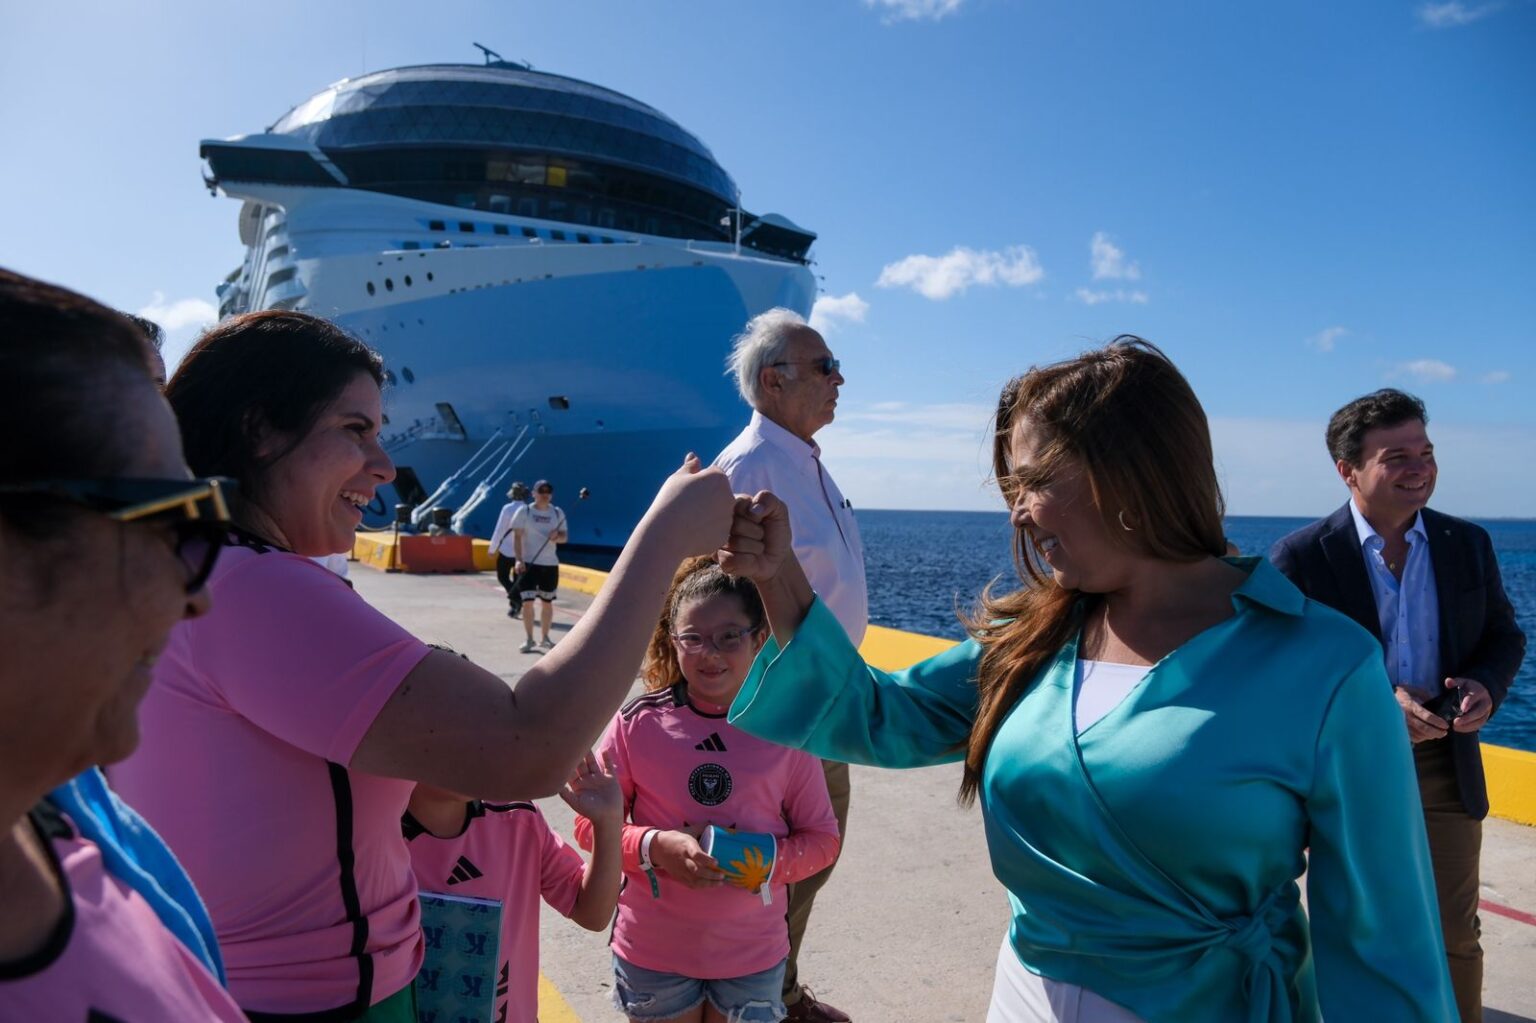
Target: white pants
1019,996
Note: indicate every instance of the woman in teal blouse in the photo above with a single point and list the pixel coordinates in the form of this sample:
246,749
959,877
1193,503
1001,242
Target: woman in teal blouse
1157,734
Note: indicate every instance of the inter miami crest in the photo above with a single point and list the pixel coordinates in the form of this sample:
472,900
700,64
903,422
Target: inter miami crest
709,784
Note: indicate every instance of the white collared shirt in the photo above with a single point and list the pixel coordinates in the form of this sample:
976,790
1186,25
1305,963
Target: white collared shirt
1409,611
765,456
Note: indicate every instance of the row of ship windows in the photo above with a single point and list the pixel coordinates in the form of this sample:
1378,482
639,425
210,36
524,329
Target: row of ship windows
389,283
470,227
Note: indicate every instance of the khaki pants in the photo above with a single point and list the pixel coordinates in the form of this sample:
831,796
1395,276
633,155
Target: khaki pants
802,894
1455,850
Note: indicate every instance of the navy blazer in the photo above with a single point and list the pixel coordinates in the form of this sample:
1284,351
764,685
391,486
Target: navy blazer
1479,638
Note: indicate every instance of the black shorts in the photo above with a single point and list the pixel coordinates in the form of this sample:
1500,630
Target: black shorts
539,581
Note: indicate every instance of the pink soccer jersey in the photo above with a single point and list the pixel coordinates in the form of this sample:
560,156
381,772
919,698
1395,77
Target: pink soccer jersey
256,709
682,766
509,853
111,958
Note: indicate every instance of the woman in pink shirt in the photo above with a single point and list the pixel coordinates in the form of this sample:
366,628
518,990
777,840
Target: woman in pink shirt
104,546
690,945
286,729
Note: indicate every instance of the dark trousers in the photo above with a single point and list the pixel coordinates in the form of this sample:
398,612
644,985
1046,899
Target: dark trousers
1455,851
802,894
504,576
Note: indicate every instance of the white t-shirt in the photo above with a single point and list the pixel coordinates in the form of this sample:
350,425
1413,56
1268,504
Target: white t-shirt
501,536
1101,685
538,525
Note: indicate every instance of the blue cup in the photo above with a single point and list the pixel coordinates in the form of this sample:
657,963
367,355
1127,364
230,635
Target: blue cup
747,857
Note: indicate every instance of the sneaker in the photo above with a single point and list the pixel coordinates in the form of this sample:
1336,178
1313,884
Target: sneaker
527,648
809,1010
548,644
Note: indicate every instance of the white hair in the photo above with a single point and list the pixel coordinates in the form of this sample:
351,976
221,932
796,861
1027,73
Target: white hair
764,342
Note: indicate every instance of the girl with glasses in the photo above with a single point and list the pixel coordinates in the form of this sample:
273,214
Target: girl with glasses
105,541
296,716
697,941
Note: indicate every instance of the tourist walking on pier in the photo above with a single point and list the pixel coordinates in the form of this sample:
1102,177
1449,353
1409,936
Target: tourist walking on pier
502,545
1427,586
105,542
537,531
786,372
1156,733
295,716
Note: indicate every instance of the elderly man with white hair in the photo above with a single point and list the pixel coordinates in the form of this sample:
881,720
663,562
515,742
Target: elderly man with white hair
785,371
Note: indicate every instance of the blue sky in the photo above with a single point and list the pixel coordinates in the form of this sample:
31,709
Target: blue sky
1299,202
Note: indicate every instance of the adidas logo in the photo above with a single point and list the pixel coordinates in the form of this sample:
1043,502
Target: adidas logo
464,871
713,744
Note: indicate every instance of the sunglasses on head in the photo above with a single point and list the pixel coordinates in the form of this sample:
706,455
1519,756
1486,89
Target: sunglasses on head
195,509
826,365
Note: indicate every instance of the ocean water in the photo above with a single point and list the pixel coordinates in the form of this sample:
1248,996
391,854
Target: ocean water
924,567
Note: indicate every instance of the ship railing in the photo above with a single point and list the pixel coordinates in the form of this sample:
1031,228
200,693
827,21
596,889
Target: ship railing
494,480
457,479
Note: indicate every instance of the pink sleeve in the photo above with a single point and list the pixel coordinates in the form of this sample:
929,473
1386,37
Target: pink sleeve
612,746
291,648
561,870
813,837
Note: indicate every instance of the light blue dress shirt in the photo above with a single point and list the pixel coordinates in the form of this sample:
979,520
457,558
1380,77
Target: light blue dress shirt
1409,610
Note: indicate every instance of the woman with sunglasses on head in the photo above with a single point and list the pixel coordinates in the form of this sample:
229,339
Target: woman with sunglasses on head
105,541
287,728
1156,733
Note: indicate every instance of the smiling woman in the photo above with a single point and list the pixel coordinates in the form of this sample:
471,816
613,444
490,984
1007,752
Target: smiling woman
297,710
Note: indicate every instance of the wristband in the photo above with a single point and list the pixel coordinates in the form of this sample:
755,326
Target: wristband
645,861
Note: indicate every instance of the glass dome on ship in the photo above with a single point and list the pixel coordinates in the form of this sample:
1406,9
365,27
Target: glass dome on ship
552,270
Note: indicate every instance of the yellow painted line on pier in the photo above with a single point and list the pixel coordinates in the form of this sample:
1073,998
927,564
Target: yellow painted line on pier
553,1008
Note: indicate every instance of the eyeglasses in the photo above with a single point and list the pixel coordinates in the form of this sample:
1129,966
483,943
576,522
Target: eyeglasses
826,365
195,509
726,641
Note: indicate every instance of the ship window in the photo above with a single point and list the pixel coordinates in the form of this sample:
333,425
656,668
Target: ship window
370,288
558,236
529,232
467,226
585,239
410,377
407,280
411,246
389,285
527,207
499,229
282,276
559,402
435,225
555,177
606,240
277,253
429,275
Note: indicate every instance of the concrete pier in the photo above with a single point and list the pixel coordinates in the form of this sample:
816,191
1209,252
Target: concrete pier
908,929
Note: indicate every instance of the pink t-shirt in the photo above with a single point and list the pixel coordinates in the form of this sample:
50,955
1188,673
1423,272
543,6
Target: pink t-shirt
110,958
683,765
508,853
255,710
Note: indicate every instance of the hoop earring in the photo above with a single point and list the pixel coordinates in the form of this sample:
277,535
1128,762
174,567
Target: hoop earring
1121,516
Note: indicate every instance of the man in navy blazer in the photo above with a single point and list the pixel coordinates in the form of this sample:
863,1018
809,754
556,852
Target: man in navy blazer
1428,588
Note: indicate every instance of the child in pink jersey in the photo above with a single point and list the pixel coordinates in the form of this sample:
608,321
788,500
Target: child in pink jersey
509,853
687,946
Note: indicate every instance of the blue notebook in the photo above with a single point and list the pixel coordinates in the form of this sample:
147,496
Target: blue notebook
457,982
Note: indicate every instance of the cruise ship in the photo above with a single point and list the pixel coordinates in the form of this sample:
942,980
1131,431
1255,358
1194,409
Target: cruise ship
552,270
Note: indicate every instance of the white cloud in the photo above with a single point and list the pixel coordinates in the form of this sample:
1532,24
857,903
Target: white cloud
1325,339
184,312
1498,376
1453,14
830,311
1109,262
1089,297
914,10
1425,370
939,277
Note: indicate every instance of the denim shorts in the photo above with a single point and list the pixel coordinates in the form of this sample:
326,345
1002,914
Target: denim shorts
646,994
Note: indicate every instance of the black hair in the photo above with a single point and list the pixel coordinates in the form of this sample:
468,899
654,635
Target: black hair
275,370
1349,425
64,360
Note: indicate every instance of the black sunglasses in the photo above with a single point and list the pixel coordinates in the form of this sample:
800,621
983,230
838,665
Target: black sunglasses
195,509
826,365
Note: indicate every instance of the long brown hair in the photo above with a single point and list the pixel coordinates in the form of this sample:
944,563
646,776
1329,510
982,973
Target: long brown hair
697,579
1130,420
